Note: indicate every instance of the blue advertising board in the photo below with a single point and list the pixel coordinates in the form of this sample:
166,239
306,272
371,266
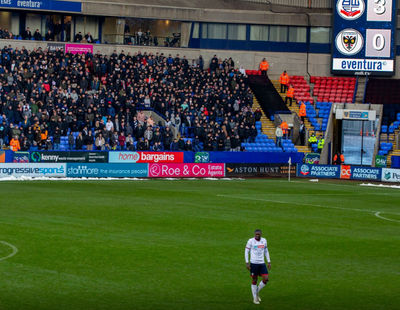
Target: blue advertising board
46,5
364,37
107,170
366,173
318,171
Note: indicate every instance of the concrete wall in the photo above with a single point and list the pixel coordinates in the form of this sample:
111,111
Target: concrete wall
294,63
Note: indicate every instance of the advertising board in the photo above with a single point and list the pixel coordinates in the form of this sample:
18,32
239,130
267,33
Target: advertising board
107,170
258,170
318,171
52,47
186,170
146,157
390,175
78,48
380,161
68,157
365,173
32,170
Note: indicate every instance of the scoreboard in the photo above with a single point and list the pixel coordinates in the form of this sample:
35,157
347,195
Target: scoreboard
364,37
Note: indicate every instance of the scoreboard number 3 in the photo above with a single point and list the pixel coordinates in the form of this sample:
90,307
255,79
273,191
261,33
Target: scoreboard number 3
380,8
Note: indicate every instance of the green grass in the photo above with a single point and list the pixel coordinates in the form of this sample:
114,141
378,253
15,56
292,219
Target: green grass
161,244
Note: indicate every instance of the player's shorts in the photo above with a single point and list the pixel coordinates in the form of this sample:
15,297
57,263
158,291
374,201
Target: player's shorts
258,270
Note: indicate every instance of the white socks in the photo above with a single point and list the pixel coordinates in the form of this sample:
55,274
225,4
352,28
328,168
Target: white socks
261,285
254,291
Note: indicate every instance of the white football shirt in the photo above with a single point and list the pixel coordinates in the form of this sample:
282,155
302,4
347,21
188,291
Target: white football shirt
257,251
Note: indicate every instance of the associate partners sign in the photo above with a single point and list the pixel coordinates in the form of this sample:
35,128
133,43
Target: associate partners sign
146,157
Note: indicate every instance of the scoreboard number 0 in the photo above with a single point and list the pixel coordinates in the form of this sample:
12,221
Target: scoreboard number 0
380,9
378,42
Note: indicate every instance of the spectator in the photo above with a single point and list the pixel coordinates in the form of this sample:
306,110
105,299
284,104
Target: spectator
37,36
89,141
78,37
100,142
27,34
71,141
89,38
57,31
49,36
79,142
14,144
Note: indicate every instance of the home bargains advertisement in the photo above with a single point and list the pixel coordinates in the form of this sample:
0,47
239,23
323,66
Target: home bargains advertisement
186,170
146,157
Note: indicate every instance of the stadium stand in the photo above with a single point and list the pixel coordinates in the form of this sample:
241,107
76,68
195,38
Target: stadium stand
52,97
333,89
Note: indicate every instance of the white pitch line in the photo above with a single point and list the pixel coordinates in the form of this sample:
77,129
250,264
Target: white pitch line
384,218
15,250
305,204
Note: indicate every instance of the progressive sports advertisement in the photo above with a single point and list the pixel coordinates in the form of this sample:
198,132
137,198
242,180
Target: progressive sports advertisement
364,37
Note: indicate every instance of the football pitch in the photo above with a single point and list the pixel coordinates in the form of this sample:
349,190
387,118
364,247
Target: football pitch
179,244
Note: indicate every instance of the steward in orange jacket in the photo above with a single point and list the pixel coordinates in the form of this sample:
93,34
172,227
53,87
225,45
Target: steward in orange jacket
302,111
289,95
264,65
284,80
338,159
285,128
14,145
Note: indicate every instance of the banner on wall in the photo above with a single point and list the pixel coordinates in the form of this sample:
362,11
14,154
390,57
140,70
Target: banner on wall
20,157
107,170
390,175
78,48
202,157
258,170
32,170
312,158
186,170
48,5
146,157
380,161
68,157
52,47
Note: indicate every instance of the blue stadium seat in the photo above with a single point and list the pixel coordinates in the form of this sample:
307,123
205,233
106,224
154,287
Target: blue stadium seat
384,129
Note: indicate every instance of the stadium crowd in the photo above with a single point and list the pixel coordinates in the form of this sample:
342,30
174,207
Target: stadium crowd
46,95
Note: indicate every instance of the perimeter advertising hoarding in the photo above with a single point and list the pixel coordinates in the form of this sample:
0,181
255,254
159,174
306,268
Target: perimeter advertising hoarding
107,170
365,173
68,157
146,157
33,170
52,47
186,170
258,170
390,175
318,171
364,37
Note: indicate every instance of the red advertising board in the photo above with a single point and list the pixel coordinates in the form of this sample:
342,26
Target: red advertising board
146,157
186,170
